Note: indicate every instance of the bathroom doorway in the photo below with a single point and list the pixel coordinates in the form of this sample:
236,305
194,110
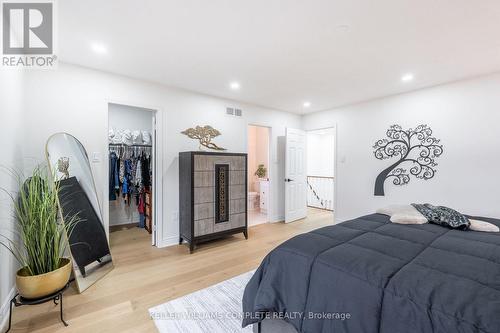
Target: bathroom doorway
258,174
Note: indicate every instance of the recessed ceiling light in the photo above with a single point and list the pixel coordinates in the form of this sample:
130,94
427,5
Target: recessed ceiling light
343,27
407,77
235,85
99,48
307,104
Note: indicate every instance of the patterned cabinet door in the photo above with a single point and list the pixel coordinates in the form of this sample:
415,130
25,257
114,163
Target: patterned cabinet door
221,193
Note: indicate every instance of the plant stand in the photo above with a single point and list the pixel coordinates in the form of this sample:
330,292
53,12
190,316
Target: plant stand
56,297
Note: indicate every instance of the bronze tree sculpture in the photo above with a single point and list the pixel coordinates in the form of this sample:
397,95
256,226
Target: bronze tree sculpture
416,148
204,135
63,166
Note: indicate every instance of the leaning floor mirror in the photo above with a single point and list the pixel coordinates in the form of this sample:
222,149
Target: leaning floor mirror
68,161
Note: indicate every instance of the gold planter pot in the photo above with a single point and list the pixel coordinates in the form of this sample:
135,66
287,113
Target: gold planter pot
38,286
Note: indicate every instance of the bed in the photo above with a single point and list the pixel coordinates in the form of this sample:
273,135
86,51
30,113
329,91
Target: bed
384,277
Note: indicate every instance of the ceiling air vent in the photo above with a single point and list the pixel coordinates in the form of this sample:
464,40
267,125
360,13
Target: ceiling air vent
230,111
238,112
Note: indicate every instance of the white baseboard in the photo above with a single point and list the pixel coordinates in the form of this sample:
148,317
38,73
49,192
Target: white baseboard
255,224
4,310
169,241
276,219
174,240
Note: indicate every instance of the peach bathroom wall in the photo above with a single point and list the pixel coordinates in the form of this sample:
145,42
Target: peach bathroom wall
258,153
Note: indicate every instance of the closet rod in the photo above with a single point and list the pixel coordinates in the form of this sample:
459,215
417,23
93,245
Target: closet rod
124,145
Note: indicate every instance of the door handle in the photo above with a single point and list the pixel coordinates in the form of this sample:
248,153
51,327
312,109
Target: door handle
288,180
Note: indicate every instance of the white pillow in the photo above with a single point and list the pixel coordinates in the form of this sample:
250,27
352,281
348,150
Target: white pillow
127,137
407,214
403,214
409,218
393,209
146,137
117,137
111,134
477,225
137,137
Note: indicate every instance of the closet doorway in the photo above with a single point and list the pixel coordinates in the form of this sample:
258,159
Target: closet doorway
131,171
258,148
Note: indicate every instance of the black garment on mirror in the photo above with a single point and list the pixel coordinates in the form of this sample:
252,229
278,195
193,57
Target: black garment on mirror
88,242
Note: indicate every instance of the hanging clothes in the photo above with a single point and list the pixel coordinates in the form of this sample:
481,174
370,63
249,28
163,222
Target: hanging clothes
146,177
138,173
130,177
114,181
127,177
122,170
128,180
142,210
133,169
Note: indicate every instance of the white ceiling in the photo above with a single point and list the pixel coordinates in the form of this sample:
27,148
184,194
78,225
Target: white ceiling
328,52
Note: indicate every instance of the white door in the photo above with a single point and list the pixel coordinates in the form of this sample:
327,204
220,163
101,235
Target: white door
295,175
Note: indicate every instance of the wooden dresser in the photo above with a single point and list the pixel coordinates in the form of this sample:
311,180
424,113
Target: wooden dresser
212,196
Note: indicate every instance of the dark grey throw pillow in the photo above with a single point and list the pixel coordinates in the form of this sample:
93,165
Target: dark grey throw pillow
444,216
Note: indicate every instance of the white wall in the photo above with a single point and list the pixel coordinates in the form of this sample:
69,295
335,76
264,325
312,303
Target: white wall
320,153
464,115
11,136
129,117
75,100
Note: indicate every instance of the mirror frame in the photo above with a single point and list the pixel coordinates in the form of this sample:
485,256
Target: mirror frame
81,288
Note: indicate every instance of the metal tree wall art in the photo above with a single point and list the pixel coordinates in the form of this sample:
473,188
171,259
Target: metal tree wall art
414,148
204,135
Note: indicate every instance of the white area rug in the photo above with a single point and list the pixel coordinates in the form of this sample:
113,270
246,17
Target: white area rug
216,309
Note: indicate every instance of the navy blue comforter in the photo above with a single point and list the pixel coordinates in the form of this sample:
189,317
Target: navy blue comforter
384,277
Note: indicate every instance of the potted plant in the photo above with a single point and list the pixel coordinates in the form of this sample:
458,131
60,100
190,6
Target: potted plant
43,236
261,171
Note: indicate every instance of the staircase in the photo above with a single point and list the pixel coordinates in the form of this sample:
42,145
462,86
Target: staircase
320,192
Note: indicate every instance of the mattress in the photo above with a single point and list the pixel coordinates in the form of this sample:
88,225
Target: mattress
371,275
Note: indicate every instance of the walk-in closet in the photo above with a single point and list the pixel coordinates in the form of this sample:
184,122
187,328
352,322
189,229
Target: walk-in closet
131,169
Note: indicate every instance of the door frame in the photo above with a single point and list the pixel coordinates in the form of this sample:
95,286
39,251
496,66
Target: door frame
270,167
158,149
335,162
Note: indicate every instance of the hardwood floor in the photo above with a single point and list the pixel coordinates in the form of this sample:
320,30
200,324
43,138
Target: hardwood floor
145,276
